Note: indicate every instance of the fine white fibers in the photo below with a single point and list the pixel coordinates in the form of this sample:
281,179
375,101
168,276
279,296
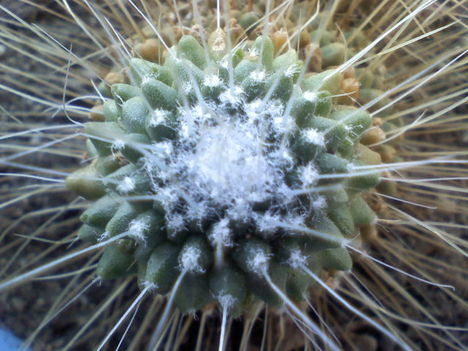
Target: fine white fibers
230,161
189,260
292,70
187,87
137,229
175,222
259,262
149,285
232,96
314,136
127,185
226,301
118,145
309,175
258,76
311,96
221,234
212,81
297,259
267,222
158,117
319,203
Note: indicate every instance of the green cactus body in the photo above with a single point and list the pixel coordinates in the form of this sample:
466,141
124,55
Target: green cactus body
216,177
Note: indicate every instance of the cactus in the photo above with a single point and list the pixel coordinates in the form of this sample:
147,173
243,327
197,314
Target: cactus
244,160
229,175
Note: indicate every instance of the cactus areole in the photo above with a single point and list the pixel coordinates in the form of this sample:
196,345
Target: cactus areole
226,167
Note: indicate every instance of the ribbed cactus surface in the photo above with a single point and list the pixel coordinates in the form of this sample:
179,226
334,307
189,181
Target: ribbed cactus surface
227,167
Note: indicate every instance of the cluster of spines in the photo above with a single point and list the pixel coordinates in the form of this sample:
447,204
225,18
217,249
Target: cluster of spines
147,115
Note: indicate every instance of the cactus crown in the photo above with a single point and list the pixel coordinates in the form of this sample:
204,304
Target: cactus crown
229,167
